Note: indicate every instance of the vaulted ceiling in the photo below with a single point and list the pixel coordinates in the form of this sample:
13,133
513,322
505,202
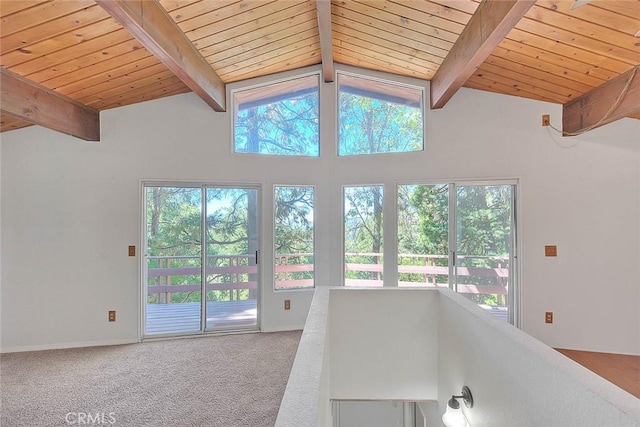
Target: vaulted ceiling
64,60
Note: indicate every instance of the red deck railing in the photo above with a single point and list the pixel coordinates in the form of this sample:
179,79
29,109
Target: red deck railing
235,273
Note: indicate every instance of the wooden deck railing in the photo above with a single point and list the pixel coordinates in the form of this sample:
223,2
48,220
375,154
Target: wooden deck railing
235,273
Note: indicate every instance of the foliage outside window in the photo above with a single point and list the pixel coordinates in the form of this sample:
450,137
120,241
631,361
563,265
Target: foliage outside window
378,117
482,239
483,236
174,229
294,237
363,231
278,119
423,235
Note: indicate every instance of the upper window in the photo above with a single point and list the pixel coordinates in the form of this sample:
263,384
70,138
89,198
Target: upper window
279,119
378,117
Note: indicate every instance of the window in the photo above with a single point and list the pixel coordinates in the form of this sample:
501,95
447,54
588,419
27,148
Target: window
423,235
378,117
278,119
363,227
460,235
293,237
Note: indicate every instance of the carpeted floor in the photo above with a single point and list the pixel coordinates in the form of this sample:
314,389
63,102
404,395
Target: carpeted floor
225,381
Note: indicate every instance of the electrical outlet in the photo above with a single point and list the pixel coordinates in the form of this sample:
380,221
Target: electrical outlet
132,250
546,120
112,315
548,317
550,250
287,304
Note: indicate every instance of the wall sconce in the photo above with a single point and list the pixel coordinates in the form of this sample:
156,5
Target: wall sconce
453,416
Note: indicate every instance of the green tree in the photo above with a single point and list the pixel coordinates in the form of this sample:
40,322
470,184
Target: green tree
280,124
369,125
363,224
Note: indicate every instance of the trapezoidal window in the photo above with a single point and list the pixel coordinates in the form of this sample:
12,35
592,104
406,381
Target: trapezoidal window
278,119
378,117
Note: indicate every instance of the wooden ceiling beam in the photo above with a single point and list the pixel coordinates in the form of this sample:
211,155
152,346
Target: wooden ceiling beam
491,22
152,26
611,101
323,8
29,101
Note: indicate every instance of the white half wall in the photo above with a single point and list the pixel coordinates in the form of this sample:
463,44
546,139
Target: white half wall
515,379
71,208
383,344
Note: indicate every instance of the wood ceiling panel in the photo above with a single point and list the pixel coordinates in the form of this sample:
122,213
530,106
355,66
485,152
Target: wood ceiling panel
241,44
50,29
362,59
560,60
614,37
9,7
253,34
523,81
38,60
103,71
254,23
385,38
593,14
87,59
466,6
290,61
126,85
121,83
526,89
532,71
411,61
498,86
39,14
8,123
628,8
398,24
404,53
200,17
406,13
544,43
384,30
173,5
300,48
578,40
571,77
440,10
250,53
138,92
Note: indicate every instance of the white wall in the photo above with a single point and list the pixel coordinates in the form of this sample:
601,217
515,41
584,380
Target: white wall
383,344
70,208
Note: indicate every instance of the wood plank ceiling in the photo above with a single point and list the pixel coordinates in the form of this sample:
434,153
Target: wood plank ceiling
554,53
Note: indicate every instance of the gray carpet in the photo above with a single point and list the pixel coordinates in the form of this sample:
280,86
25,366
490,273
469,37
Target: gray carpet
226,381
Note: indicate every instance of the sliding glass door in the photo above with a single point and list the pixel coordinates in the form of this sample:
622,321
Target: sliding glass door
483,253
460,235
231,257
200,240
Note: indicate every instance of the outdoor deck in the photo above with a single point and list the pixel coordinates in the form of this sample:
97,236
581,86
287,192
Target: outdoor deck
185,317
